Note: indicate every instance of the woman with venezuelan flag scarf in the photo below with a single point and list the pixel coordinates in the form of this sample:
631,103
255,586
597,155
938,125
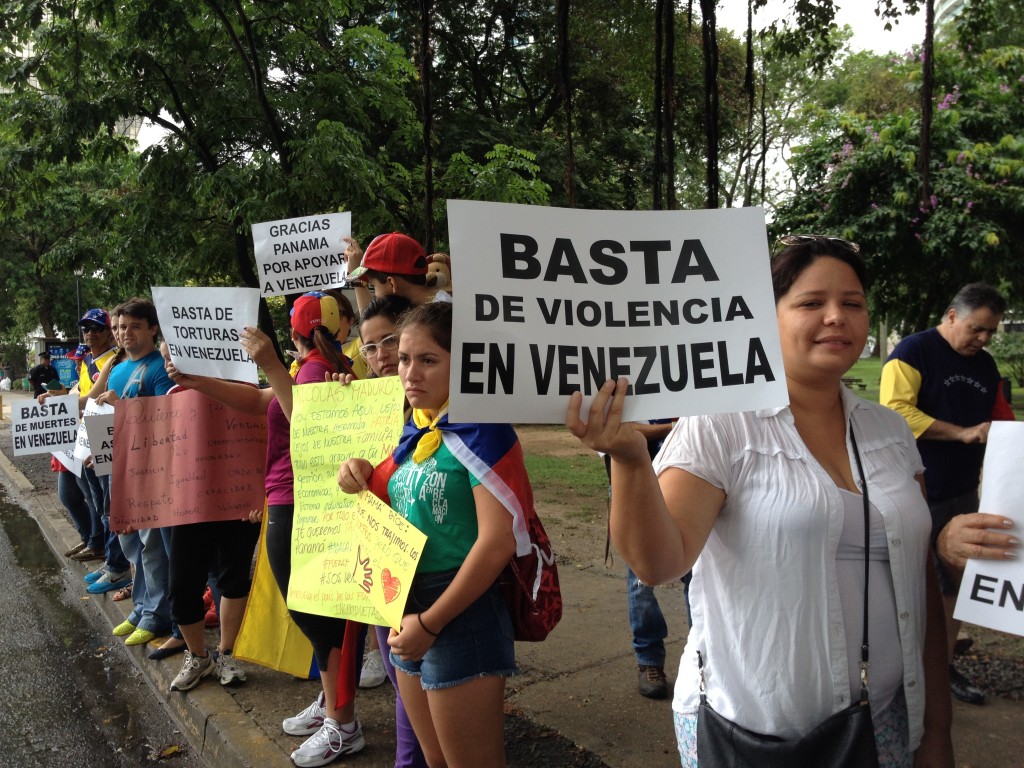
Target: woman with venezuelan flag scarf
460,484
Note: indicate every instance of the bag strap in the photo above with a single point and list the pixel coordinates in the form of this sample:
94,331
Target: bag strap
864,654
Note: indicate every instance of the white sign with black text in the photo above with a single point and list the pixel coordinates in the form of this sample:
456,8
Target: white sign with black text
101,437
553,301
83,443
202,326
301,255
44,428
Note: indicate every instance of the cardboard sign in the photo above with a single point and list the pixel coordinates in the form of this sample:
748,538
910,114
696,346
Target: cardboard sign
185,458
45,428
992,591
553,301
388,550
301,255
202,325
100,431
332,423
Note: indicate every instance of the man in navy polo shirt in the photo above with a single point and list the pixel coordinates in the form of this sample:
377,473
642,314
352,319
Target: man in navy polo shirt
948,388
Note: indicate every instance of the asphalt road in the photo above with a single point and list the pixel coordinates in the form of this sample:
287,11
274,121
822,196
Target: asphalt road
69,695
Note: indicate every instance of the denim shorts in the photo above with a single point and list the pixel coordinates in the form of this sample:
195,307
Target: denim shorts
476,643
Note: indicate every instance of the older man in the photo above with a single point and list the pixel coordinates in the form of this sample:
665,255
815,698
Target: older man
948,388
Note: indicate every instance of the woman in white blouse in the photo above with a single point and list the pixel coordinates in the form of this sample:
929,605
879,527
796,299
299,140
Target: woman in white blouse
766,508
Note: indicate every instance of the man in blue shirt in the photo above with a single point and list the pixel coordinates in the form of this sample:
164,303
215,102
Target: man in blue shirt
141,375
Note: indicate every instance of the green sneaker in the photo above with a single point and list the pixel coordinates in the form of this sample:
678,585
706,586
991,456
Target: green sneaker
123,629
139,637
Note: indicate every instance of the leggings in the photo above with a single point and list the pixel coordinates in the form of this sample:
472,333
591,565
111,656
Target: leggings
222,549
324,632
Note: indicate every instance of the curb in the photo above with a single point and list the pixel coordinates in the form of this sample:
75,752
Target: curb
220,734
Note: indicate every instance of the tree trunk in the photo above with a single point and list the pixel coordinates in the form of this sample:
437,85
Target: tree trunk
927,88
710,42
659,123
565,86
428,125
670,104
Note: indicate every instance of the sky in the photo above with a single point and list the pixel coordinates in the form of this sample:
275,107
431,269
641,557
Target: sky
868,30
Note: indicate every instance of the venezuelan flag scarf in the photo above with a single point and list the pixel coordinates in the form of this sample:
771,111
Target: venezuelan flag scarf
491,453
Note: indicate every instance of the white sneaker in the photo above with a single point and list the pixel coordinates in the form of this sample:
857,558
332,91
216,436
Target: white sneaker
192,671
328,743
373,673
228,670
308,721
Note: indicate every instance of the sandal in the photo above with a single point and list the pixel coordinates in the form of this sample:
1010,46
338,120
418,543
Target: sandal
123,593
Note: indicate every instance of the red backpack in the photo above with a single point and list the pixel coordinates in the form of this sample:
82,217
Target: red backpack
530,585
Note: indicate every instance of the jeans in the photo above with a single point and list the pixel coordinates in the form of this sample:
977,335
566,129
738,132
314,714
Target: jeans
647,621
74,502
89,487
148,554
117,561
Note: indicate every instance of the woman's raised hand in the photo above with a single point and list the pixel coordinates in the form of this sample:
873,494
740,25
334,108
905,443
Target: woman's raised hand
342,378
258,346
604,429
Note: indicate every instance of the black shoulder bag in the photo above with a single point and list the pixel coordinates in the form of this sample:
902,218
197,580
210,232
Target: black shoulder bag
846,739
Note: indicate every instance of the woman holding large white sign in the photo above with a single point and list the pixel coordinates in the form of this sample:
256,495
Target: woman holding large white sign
785,516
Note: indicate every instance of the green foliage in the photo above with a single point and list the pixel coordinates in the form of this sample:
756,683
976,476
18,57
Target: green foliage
509,176
858,178
1008,350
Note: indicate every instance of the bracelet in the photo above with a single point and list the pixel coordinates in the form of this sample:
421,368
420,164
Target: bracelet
419,618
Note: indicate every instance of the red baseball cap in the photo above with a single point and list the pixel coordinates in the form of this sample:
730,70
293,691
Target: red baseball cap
393,254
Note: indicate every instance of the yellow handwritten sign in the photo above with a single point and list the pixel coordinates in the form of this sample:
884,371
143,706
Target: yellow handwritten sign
332,423
388,551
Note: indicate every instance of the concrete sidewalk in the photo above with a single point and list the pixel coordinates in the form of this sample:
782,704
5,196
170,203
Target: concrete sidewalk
580,683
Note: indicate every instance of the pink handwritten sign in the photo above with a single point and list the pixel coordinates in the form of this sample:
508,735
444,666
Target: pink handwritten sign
185,458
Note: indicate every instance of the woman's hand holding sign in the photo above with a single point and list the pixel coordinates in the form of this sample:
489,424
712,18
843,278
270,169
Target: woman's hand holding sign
604,430
353,474
258,346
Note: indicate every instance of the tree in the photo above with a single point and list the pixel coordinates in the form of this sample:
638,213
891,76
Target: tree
1008,349
858,178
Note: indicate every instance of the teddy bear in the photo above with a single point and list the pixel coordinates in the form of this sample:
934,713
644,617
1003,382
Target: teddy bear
439,272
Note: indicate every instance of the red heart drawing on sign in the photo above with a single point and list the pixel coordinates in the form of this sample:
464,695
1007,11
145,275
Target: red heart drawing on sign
392,585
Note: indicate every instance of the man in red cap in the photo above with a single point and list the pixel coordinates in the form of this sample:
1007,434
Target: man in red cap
392,264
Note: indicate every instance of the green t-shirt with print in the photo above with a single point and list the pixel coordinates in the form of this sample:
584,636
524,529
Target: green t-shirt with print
437,497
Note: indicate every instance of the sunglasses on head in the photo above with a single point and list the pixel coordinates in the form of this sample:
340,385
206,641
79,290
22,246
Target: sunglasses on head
787,240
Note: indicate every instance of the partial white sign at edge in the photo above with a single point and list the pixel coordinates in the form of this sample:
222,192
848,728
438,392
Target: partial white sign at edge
83,449
69,462
992,591
100,428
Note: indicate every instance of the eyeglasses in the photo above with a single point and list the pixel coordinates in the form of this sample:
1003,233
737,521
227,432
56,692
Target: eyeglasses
388,342
90,328
801,239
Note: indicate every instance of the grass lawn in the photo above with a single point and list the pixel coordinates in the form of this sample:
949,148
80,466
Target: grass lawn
869,371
